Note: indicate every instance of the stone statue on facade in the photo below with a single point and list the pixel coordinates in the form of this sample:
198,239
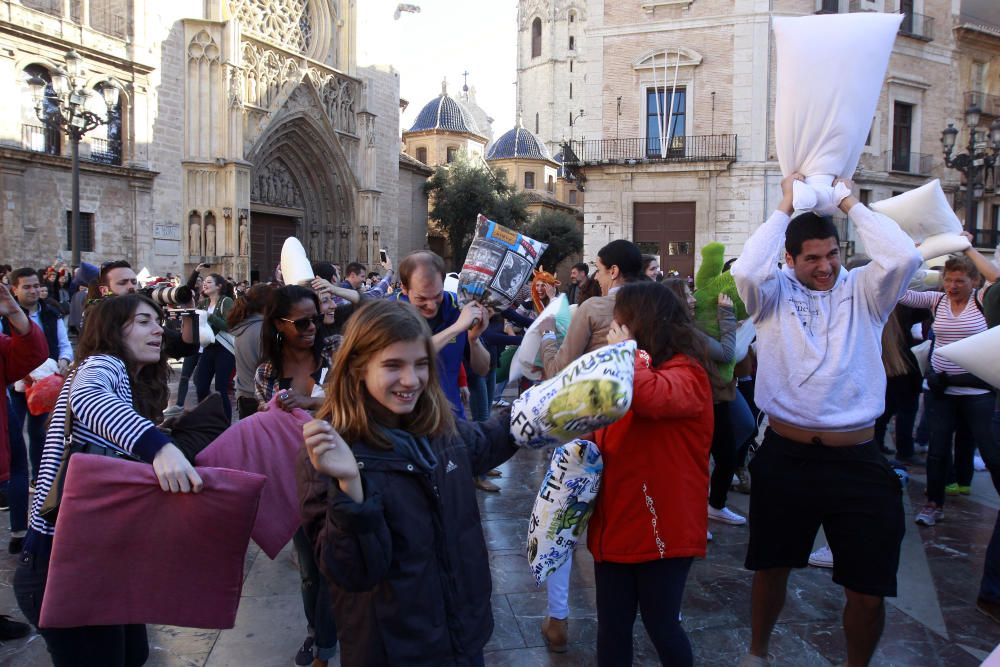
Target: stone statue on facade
244,237
210,238
194,237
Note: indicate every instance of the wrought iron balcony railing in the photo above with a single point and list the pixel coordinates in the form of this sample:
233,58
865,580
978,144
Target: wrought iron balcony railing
986,238
918,26
40,139
989,104
905,162
699,148
105,152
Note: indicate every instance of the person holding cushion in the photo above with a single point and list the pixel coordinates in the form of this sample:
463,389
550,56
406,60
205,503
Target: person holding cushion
385,483
955,395
655,466
115,395
820,381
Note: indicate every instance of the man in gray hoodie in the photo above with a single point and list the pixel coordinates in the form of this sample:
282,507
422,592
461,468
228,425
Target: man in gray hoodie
821,382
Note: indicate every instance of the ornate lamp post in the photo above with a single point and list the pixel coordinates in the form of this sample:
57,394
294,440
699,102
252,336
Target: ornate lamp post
972,162
64,110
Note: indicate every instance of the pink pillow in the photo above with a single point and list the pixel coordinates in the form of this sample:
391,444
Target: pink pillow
126,552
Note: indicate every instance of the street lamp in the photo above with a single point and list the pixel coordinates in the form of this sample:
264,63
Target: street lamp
64,110
972,162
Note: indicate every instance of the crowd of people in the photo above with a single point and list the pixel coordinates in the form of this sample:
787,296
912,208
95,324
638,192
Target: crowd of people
405,388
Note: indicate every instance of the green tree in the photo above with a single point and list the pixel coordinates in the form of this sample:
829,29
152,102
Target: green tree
460,191
560,231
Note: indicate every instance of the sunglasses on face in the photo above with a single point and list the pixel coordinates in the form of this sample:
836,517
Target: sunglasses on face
302,324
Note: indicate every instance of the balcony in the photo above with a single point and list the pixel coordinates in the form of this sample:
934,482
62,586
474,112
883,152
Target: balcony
701,148
97,17
917,26
986,238
989,104
40,139
105,152
916,164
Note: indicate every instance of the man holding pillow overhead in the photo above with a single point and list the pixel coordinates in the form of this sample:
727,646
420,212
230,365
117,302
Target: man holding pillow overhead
821,382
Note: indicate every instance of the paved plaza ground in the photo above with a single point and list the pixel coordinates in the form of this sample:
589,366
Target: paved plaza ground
932,623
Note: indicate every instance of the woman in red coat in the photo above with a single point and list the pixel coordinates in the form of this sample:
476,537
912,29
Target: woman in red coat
649,522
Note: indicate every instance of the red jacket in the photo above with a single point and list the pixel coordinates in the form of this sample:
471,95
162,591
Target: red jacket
19,355
654,489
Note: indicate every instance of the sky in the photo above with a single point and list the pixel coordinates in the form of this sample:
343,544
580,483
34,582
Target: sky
446,38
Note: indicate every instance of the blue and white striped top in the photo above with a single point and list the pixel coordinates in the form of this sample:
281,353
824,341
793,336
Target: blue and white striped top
102,414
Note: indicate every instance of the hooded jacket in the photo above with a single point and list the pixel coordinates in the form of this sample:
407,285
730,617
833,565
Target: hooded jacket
247,334
408,567
820,352
655,480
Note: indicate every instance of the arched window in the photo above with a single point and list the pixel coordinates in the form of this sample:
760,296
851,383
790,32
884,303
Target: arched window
529,180
572,17
422,154
451,154
536,38
105,140
37,135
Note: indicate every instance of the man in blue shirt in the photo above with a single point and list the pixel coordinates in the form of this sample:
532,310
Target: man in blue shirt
455,338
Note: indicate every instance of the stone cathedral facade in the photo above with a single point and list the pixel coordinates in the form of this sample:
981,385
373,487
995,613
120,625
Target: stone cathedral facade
241,122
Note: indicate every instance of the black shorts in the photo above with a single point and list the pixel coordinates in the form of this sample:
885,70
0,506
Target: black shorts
852,492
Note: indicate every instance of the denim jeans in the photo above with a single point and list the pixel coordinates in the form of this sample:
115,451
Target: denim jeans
946,411
187,372
36,429
733,425
989,589
902,397
479,400
17,487
316,602
216,363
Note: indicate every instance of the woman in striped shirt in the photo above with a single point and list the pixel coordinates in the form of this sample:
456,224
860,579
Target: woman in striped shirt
955,394
115,395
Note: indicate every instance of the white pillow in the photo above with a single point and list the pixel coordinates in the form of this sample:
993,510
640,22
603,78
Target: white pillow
295,266
829,74
523,363
977,354
943,244
921,213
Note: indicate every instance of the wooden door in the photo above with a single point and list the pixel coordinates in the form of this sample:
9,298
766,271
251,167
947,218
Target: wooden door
667,231
267,234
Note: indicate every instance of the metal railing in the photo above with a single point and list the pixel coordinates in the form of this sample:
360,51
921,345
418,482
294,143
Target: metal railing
40,139
105,151
986,238
700,148
109,23
988,104
918,26
53,7
919,164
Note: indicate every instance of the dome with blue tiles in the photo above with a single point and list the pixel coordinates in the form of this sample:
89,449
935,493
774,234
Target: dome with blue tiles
518,143
445,113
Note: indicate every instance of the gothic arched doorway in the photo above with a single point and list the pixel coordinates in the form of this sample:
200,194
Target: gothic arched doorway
301,185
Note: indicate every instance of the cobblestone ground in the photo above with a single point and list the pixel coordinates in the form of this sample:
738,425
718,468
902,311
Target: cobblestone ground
933,622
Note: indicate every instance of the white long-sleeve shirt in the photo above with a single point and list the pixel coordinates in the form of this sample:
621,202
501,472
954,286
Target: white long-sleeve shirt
820,352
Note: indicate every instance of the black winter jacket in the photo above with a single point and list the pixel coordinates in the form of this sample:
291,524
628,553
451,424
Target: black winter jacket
408,567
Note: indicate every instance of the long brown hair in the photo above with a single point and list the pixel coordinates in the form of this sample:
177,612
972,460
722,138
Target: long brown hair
894,359
660,323
254,301
102,334
374,327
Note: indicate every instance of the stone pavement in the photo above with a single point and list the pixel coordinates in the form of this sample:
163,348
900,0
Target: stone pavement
932,623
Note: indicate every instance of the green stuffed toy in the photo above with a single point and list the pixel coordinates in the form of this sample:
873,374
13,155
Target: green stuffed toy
709,283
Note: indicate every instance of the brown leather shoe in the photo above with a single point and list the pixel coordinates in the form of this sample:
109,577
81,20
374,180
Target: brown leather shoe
554,631
494,473
486,485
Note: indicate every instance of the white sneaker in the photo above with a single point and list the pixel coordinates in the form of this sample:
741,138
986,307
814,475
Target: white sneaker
750,660
978,464
821,558
173,410
726,515
709,536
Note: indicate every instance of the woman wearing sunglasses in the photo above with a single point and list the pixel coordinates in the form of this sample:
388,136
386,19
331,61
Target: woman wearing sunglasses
295,358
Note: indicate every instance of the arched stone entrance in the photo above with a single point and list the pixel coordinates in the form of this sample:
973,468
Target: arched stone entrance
302,184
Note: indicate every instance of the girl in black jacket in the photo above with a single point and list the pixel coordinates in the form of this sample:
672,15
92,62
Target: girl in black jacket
394,514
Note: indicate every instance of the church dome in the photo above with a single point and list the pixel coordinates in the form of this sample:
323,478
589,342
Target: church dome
518,143
445,113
